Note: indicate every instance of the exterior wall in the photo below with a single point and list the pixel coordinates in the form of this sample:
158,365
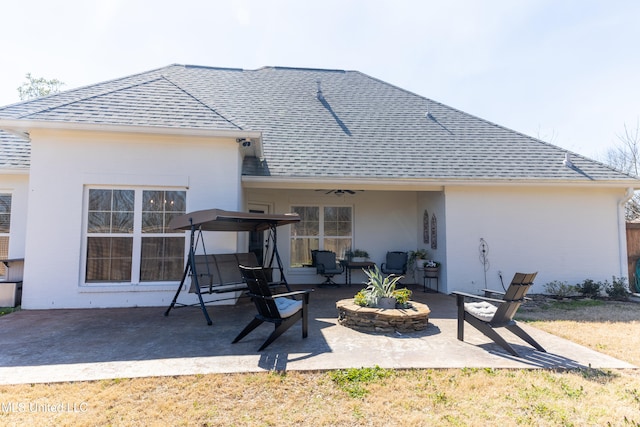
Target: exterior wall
62,164
563,234
384,221
18,186
434,204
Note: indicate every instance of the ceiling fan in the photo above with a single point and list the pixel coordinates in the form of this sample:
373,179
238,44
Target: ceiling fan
339,192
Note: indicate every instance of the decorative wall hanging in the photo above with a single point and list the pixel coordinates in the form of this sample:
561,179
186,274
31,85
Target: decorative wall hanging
434,232
425,226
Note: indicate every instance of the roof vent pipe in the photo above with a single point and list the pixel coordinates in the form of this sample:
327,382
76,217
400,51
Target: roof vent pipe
319,94
428,113
567,161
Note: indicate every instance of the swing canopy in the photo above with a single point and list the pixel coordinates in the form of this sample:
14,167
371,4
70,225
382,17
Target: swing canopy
220,220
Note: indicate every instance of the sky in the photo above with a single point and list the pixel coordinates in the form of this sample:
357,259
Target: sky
564,71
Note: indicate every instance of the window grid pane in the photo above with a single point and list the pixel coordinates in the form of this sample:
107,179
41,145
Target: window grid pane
111,211
4,253
158,207
339,246
326,227
116,228
309,224
5,213
109,259
301,250
162,259
337,221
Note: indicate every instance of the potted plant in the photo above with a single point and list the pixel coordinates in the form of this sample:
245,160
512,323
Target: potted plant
359,255
431,268
379,291
417,258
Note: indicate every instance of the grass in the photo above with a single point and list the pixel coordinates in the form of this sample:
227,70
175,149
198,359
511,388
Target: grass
367,396
610,327
8,310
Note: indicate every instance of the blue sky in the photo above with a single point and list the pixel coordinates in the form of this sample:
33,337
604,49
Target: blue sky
565,71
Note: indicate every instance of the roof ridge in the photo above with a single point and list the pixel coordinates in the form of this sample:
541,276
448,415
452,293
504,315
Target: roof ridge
277,67
206,67
200,102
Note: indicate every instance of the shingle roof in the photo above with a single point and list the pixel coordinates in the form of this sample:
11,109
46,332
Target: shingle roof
359,127
15,152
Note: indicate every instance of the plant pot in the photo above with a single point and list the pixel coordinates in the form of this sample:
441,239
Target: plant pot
420,263
358,259
431,272
386,302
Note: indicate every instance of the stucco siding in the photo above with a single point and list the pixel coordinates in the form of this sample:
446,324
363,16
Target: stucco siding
564,234
63,164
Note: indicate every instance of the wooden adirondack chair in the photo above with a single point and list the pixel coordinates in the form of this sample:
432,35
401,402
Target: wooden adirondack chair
488,314
280,309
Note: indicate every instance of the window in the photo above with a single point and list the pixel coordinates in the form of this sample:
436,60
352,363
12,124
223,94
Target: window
127,235
5,225
320,227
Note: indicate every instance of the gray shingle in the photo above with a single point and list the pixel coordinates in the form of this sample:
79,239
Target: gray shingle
15,152
363,128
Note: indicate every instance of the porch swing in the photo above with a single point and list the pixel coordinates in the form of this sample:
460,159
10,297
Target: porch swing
220,273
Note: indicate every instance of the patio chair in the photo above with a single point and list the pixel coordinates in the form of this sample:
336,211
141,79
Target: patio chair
488,314
280,309
327,266
396,263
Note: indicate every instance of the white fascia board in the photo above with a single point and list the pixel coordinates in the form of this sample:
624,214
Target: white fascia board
24,126
417,184
14,171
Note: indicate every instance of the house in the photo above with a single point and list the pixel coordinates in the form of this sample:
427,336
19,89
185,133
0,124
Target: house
93,175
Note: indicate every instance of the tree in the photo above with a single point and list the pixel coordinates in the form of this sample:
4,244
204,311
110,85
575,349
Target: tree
36,87
626,158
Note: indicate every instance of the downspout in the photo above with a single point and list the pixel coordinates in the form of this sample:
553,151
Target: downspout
622,233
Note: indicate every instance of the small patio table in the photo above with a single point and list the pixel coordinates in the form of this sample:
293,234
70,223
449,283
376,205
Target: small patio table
352,265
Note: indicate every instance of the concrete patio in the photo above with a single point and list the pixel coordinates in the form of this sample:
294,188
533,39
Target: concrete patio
75,345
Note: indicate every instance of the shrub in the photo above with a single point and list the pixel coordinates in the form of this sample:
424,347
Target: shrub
618,289
365,299
560,289
402,295
589,288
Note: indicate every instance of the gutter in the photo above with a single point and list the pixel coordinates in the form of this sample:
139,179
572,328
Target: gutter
414,184
622,233
22,127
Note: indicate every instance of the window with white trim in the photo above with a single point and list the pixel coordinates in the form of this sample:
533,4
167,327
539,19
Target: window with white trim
127,238
320,227
5,229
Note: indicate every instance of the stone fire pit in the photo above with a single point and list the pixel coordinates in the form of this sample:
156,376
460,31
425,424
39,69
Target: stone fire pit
368,319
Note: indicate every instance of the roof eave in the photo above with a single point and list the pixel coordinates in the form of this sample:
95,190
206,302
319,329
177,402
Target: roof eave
417,184
14,171
25,126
